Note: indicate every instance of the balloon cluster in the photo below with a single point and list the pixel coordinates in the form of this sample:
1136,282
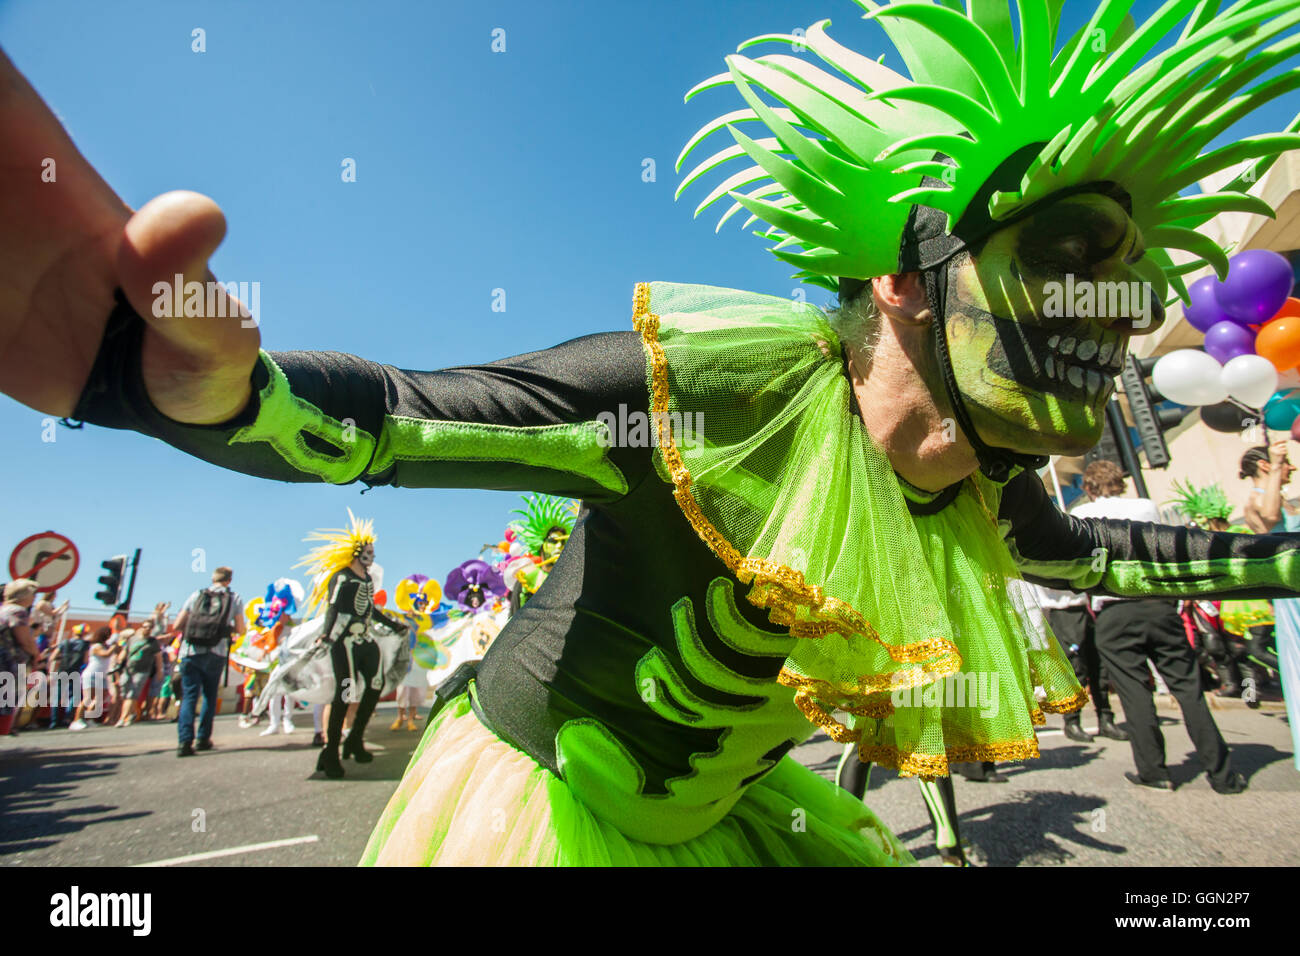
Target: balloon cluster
1252,337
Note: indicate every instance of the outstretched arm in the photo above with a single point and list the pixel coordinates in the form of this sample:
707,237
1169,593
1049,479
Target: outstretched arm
73,254
1139,559
535,422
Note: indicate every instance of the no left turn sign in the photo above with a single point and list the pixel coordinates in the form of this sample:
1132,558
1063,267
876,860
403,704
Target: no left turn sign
49,558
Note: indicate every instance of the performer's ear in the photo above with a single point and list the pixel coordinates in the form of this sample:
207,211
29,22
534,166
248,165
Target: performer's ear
901,298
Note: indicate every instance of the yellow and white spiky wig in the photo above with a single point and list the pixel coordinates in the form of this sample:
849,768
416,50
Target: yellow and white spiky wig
338,548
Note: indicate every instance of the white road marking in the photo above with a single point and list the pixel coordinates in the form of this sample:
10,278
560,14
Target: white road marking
233,851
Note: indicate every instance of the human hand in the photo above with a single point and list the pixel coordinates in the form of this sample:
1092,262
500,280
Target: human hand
67,241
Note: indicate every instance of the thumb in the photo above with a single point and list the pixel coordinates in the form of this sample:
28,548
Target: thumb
202,343
162,267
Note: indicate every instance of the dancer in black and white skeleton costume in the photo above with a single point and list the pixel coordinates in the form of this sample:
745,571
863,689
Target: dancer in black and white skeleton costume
355,657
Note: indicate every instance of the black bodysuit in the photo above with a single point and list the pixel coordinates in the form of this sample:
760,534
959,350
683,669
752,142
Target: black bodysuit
636,598
354,655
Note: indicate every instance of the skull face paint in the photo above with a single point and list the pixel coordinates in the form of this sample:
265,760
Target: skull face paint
554,543
366,556
1037,329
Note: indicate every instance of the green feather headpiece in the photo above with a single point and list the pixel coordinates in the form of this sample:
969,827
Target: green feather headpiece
542,513
1201,504
837,179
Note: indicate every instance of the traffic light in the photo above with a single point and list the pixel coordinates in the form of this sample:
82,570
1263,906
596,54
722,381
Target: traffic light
1151,422
112,581
1107,446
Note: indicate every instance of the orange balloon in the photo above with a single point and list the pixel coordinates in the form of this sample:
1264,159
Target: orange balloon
1289,307
381,598
1279,339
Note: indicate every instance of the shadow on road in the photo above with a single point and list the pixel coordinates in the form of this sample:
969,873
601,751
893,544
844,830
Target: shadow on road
1035,829
1247,758
33,816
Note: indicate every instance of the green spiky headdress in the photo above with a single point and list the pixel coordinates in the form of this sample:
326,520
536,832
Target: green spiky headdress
1201,504
542,514
840,175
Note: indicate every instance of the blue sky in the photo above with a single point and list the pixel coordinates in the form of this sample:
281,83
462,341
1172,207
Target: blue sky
476,170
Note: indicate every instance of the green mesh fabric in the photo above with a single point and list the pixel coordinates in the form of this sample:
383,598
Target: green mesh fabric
903,619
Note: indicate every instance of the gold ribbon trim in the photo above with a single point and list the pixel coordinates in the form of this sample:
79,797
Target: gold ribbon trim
777,588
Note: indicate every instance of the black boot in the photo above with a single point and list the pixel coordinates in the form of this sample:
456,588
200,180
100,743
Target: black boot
328,763
1106,726
352,748
1229,678
1074,729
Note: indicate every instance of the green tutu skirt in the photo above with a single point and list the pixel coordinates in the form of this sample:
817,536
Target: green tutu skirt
470,799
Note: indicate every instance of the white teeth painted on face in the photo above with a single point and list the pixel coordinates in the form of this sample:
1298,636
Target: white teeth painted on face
1095,380
1087,349
1050,367
1075,375
1104,355
1067,346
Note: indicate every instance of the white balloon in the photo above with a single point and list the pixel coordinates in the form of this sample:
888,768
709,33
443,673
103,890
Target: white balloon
1289,379
1189,377
1250,379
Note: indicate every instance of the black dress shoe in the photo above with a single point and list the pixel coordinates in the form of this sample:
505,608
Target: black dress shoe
318,740
1074,730
1165,784
328,763
352,748
1236,784
185,750
204,744
1106,727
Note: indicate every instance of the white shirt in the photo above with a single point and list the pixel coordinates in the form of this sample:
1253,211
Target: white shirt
1051,599
1123,509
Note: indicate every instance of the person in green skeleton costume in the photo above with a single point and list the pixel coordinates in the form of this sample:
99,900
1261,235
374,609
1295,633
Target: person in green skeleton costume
544,528
1037,379
875,494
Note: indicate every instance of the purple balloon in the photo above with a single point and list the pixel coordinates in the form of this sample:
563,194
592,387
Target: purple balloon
1226,340
1258,282
1203,310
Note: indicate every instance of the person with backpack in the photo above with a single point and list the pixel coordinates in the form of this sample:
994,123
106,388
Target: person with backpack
206,623
66,662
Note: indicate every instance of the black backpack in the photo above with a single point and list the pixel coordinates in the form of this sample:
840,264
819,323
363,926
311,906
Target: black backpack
209,621
72,655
